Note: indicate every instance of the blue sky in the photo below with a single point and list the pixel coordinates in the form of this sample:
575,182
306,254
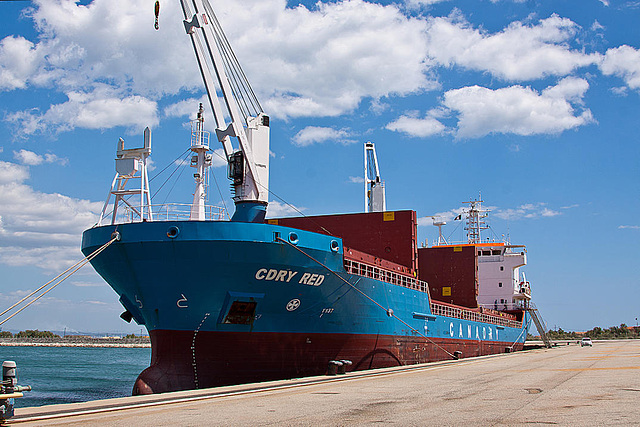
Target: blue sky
533,104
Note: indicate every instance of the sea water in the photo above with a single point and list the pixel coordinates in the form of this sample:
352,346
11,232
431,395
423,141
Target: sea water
75,374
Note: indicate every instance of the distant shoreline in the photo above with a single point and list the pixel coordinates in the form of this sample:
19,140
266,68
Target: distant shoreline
142,342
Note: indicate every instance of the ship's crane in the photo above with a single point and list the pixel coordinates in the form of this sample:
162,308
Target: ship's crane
374,197
249,126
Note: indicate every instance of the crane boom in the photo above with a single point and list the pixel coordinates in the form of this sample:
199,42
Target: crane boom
374,194
248,165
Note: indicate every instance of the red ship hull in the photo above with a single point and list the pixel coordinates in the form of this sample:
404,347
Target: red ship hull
182,361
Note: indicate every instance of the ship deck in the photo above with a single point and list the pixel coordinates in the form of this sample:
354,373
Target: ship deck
567,385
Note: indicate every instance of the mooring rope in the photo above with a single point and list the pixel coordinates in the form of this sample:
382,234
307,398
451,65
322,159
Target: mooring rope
389,311
77,266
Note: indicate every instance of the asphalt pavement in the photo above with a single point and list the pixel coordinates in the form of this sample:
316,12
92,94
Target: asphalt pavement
565,385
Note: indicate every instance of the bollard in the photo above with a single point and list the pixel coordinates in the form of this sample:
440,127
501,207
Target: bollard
9,389
345,365
334,365
457,354
507,349
9,378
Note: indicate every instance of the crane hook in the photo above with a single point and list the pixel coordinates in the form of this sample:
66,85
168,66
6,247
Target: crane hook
156,26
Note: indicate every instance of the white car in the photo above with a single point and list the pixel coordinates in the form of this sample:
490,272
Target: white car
586,341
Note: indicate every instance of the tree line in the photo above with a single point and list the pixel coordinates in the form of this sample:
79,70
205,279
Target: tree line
29,334
41,334
614,332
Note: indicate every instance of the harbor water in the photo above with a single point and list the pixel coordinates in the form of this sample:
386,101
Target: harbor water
75,374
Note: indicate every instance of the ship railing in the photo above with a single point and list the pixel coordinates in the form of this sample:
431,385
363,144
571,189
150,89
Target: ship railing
384,275
446,310
169,212
506,306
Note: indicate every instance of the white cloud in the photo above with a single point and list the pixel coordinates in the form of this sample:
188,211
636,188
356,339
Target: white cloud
597,26
276,209
519,52
356,179
528,210
417,3
107,40
19,59
321,61
189,108
324,61
447,216
30,158
421,127
518,110
40,229
378,107
620,91
624,62
100,109
12,173
88,284
632,227
316,135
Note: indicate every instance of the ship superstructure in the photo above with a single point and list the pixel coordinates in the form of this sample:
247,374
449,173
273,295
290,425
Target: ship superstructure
493,279
228,302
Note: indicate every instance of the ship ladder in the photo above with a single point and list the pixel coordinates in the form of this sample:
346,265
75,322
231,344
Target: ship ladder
540,324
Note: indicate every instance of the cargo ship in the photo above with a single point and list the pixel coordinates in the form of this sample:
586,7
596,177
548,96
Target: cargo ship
251,299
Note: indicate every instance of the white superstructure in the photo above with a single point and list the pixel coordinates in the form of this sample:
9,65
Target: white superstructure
499,283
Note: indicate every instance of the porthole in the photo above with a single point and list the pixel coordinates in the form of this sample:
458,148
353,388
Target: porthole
335,246
173,232
293,238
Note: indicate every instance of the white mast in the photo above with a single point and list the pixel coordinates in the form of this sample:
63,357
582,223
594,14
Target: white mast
201,161
249,165
475,221
131,167
374,195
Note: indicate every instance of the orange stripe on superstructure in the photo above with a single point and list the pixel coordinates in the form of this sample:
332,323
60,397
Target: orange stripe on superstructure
469,244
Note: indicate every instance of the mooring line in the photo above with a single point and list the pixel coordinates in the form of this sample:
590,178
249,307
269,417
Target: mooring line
389,311
77,266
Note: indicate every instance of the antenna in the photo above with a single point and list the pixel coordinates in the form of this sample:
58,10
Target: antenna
439,222
475,216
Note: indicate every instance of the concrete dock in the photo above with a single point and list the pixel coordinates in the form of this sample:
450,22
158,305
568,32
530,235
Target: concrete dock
566,385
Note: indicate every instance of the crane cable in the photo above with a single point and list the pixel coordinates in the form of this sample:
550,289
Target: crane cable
77,266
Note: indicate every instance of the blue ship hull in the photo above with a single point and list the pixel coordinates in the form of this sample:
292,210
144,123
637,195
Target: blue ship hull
230,302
